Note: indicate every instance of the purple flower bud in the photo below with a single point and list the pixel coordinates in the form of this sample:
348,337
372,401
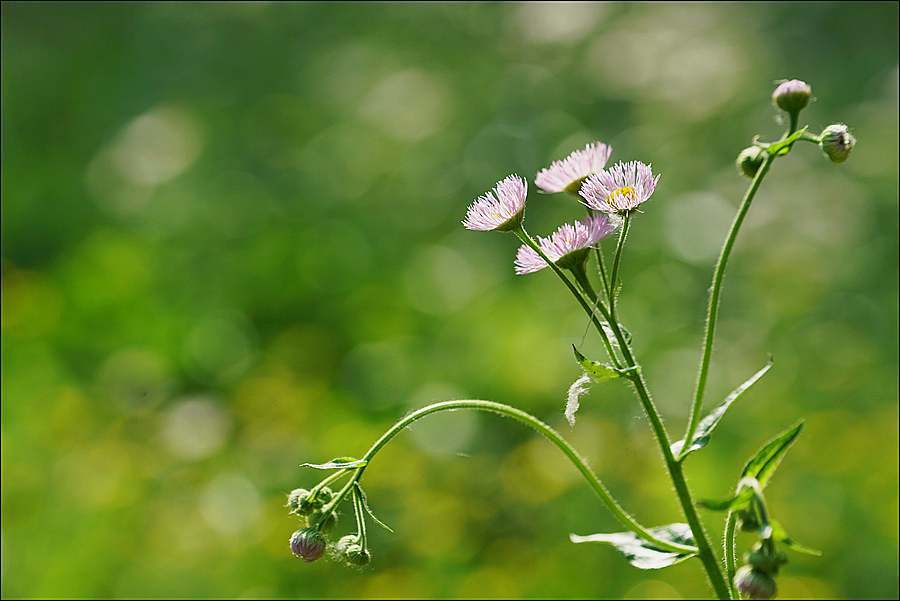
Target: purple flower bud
837,142
307,544
754,584
792,96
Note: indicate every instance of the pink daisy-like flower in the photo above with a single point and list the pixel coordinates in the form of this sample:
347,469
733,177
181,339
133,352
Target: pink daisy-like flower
500,209
566,175
619,189
567,246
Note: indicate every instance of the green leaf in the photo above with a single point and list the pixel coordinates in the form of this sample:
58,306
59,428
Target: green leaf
762,465
365,504
778,147
599,372
780,535
338,463
709,423
641,553
740,500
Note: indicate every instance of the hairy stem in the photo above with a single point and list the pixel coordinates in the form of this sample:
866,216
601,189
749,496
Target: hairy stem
712,310
730,552
548,433
614,276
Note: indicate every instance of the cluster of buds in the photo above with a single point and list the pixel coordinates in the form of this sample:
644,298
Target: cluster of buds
793,96
756,578
317,510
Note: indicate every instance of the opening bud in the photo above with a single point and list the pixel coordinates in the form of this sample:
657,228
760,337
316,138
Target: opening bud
308,544
754,584
750,160
792,95
836,142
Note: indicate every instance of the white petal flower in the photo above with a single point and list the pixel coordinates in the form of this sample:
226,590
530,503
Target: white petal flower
619,189
566,175
500,209
566,245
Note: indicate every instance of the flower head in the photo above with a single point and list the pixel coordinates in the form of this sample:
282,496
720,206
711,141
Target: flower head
754,584
566,175
792,95
619,189
500,209
567,246
837,142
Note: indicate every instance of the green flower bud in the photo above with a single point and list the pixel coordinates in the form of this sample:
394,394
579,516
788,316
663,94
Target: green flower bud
792,96
298,501
763,559
357,556
754,584
837,142
750,160
344,543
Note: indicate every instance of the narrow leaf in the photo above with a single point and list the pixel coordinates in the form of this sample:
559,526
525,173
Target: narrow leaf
365,504
740,500
599,372
781,536
762,465
777,147
709,423
338,463
641,553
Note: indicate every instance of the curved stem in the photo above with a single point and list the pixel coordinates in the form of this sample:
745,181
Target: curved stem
614,277
526,239
548,433
730,552
712,310
601,265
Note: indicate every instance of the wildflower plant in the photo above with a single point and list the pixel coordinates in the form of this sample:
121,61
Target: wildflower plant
613,198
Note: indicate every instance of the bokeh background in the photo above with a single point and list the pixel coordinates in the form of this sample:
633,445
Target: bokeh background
231,244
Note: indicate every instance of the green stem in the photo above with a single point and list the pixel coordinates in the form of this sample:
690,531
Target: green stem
527,240
549,433
614,277
601,265
712,311
729,552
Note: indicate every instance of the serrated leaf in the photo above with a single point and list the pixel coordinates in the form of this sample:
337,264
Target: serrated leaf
709,423
641,553
762,465
777,147
780,535
365,504
740,500
598,372
338,463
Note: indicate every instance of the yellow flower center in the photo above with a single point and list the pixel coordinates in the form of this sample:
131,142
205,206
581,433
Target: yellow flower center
620,198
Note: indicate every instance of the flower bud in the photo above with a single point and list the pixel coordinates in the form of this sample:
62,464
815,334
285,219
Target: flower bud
307,544
750,160
298,501
765,560
837,142
792,96
747,521
344,543
357,556
754,584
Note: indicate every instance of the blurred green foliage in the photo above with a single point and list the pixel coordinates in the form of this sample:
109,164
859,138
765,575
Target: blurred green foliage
231,244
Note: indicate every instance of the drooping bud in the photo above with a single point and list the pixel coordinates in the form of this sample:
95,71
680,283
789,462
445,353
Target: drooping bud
357,556
750,160
792,95
308,544
765,559
837,142
754,584
298,501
